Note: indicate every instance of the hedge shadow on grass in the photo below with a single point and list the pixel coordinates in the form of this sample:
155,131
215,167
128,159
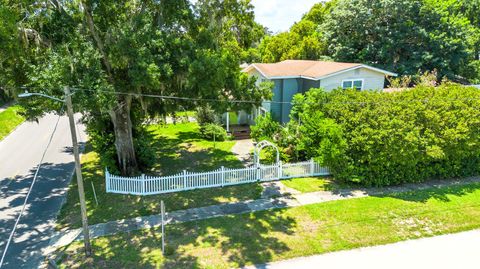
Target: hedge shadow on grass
440,193
418,192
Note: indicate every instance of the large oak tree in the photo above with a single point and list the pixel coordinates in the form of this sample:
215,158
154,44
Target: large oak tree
113,52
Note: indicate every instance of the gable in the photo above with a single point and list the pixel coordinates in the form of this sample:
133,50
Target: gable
372,80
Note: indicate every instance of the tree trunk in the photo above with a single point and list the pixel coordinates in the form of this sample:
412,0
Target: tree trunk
122,125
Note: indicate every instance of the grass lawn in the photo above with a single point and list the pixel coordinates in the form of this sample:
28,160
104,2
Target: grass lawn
178,147
309,184
274,235
313,184
9,120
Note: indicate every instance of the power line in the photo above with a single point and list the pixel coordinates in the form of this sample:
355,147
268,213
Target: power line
425,100
179,98
29,191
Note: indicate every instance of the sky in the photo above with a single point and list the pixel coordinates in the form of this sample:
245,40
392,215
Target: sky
279,15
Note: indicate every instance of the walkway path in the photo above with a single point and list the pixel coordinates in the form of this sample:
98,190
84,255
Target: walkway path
66,237
446,251
243,150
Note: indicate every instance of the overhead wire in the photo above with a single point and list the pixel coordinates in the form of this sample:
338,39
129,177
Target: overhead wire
234,101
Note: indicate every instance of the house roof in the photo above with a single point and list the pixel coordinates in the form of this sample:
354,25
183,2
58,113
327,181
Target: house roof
314,70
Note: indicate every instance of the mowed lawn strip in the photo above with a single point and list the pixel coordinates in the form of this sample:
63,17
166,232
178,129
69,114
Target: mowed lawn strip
9,120
273,235
311,184
178,147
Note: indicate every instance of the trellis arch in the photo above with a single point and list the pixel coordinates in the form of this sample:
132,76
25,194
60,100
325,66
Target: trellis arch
258,148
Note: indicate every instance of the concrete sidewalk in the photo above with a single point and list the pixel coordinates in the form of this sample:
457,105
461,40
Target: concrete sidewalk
64,238
441,252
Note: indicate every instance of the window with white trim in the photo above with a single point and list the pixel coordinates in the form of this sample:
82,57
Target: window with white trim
353,83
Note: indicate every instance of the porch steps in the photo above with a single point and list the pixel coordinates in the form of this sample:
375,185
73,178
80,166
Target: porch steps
241,133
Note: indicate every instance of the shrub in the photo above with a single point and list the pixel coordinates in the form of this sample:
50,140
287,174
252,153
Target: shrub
213,131
206,115
380,139
145,153
102,140
265,128
392,138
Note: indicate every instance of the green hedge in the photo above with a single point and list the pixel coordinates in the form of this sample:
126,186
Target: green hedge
380,139
409,136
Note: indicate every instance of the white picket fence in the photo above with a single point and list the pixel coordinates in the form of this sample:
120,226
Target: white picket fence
148,185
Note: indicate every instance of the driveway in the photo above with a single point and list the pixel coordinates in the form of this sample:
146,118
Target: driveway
20,153
441,252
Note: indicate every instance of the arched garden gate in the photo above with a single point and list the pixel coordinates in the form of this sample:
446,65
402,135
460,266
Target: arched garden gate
258,148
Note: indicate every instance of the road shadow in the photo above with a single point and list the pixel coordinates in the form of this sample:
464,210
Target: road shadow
69,149
36,224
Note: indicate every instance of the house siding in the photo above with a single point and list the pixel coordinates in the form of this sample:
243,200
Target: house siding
276,108
290,88
285,89
372,80
309,84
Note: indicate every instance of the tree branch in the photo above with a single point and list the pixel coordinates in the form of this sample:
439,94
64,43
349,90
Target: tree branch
98,41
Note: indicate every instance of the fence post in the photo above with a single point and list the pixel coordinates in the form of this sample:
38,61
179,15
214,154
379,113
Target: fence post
223,176
257,172
312,167
185,179
280,170
143,183
107,178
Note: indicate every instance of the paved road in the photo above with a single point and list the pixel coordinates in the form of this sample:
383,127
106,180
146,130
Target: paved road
20,153
441,252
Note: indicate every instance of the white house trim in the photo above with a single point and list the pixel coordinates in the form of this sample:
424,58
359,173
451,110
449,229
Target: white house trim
256,68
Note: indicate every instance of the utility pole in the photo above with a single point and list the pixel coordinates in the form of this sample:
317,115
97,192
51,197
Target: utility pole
78,171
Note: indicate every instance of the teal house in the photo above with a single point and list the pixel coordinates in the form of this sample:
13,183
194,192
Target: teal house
298,76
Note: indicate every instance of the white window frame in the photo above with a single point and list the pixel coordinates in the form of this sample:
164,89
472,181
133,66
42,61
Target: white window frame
353,80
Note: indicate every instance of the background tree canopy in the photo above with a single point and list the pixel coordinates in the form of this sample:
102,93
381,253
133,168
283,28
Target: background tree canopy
406,36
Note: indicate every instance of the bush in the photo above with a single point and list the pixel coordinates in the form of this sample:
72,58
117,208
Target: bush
380,139
265,128
409,136
213,131
206,115
145,153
